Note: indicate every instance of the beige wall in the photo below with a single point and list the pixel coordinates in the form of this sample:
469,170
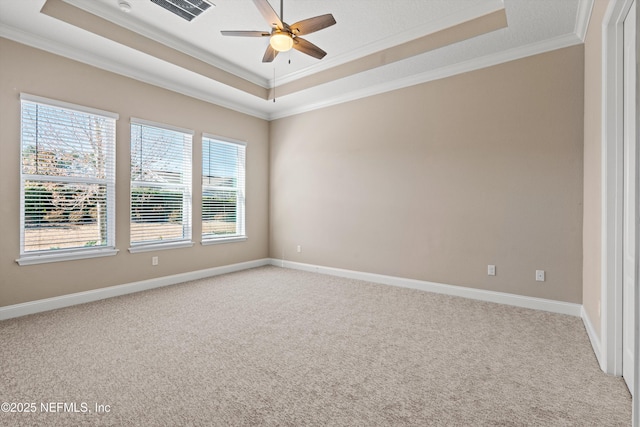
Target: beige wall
431,182
592,222
33,71
435,181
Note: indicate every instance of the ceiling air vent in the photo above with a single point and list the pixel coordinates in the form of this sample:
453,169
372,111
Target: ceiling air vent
187,9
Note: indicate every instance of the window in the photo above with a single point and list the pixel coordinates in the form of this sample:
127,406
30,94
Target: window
223,171
160,186
67,181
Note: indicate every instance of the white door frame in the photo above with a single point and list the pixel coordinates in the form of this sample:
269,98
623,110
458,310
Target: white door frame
612,189
612,194
636,350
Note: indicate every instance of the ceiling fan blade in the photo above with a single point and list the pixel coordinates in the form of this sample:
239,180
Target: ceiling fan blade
308,26
270,54
309,48
268,13
245,33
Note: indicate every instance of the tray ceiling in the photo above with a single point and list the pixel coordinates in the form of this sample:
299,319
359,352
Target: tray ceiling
376,46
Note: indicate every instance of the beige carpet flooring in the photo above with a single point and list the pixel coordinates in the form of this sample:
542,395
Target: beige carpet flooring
272,346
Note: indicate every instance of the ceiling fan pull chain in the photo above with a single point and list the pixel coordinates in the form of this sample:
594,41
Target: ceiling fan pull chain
274,84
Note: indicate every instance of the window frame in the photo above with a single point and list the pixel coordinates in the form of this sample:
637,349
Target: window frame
241,233
57,255
187,215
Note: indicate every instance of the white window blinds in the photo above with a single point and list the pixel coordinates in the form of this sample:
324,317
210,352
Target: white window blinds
223,187
67,177
160,183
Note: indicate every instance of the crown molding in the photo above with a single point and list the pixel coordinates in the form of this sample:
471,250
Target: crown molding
459,68
464,15
90,58
266,112
582,18
99,9
101,27
475,64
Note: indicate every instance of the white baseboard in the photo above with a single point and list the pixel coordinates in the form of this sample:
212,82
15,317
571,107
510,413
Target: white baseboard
593,337
477,294
439,288
47,304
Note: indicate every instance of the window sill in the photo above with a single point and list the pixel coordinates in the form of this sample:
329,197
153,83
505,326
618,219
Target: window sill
221,240
160,246
65,256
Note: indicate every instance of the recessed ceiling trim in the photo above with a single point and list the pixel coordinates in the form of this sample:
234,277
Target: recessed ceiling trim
80,18
485,7
94,60
453,34
560,42
162,72
38,42
582,18
131,22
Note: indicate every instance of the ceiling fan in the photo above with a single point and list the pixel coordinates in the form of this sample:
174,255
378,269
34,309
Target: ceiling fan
283,36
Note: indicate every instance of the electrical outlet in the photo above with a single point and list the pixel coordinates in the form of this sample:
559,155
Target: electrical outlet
491,270
154,260
539,275
299,249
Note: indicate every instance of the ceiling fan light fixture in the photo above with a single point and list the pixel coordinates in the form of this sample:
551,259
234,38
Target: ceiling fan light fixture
281,42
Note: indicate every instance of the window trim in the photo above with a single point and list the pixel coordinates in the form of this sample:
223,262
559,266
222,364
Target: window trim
59,255
222,240
155,245
66,255
168,244
68,105
143,122
212,240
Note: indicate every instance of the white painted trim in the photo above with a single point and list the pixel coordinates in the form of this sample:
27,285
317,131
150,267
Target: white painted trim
593,336
440,73
636,384
223,240
481,8
130,22
440,288
150,247
635,411
224,139
68,106
612,186
55,256
585,7
466,14
165,126
475,64
47,304
91,58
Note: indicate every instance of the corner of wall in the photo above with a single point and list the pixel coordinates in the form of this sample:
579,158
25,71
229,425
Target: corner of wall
593,336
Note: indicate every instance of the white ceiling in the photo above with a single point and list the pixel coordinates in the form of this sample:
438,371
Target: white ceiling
363,27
